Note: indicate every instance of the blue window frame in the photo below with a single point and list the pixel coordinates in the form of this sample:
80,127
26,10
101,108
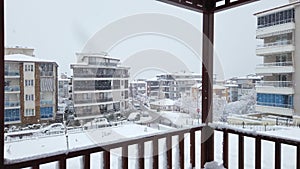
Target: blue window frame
12,115
275,100
46,112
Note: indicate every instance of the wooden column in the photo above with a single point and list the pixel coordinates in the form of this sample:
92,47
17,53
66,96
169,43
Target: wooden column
2,84
207,136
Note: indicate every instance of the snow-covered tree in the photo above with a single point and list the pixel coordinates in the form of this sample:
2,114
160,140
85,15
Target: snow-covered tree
246,105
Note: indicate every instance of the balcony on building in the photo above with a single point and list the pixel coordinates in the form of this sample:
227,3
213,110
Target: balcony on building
11,104
12,89
275,23
276,104
12,74
275,109
275,67
273,47
46,102
275,87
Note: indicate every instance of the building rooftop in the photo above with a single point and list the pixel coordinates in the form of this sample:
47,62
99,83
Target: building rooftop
279,8
25,58
152,79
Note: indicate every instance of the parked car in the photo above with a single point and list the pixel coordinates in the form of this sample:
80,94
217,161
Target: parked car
53,128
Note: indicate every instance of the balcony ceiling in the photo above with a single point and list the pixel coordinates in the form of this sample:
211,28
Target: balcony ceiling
197,5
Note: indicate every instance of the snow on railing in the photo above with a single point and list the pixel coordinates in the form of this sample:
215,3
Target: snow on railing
274,84
275,64
186,135
274,44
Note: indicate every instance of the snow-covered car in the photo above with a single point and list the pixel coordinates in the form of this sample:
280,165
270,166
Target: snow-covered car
53,128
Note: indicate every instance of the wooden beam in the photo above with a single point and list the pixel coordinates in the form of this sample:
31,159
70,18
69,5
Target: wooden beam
189,4
229,5
2,84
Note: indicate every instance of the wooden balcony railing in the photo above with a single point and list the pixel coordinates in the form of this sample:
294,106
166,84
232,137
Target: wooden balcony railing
85,152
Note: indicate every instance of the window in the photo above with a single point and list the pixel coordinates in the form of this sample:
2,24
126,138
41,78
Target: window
281,17
29,112
12,115
28,82
28,67
46,112
29,97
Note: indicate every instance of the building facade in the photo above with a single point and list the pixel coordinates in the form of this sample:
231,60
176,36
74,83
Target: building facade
99,85
138,88
240,86
278,29
30,89
64,87
19,50
175,85
152,89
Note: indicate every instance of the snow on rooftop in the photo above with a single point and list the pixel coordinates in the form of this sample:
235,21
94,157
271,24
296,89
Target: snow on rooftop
231,85
138,81
152,79
219,87
40,145
25,58
164,102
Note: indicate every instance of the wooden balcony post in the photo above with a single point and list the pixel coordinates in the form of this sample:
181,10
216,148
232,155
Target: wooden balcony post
225,149
36,166
62,163
155,152
241,151
258,153
192,148
125,157
169,151
2,85
181,150
298,156
87,161
141,155
207,144
277,155
106,159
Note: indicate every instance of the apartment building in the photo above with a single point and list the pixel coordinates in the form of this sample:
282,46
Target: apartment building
240,86
138,88
99,85
153,89
174,85
64,87
278,30
19,50
30,89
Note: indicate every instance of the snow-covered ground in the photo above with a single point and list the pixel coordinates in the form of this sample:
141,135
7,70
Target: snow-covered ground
43,145
180,119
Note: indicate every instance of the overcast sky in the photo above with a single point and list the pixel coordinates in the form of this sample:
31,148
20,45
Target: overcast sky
57,29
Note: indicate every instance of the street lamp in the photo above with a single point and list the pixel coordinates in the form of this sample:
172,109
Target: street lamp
68,116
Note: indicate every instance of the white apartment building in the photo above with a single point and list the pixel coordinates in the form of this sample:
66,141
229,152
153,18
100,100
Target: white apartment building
278,30
138,88
99,85
152,89
172,85
30,89
64,87
240,86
